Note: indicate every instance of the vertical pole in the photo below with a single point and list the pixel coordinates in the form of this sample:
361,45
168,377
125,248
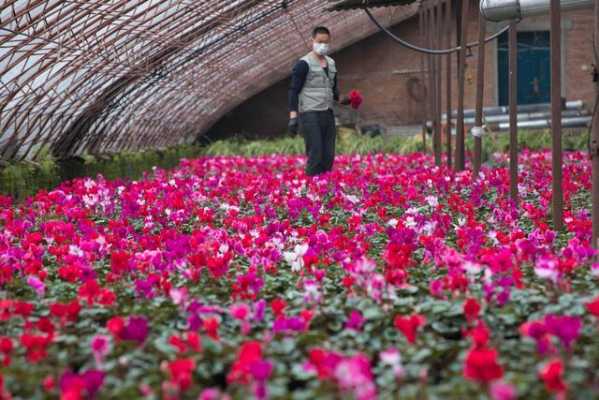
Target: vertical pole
437,60
480,88
513,94
595,139
448,78
423,74
556,114
460,145
430,67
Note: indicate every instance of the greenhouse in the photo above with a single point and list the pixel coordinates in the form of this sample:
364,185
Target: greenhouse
299,199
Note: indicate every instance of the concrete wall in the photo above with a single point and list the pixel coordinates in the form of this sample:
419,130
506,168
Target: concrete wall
389,76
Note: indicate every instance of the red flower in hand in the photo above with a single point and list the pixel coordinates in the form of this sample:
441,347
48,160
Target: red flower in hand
409,325
355,99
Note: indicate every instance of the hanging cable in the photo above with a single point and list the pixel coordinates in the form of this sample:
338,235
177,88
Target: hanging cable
425,50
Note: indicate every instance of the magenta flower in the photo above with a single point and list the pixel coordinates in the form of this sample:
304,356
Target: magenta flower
355,321
565,328
136,329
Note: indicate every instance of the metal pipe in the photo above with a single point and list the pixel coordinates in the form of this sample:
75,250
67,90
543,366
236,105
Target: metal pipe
506,10
480,90
574,122
557,203
496,119
496,110
513,95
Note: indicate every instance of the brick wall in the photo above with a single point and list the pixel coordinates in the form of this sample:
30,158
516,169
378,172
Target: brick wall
385,72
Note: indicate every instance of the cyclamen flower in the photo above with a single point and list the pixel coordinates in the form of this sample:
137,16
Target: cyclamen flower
77,386
355,320
135,328
565,328
502,391
100,345
409,325
471,309
180,373
481,365
37,285
593,307
552,375
392,358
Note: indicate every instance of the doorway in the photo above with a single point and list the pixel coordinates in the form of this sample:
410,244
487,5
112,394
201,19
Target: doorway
534,67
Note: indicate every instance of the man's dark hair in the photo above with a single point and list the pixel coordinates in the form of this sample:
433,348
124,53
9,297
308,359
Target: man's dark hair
320,29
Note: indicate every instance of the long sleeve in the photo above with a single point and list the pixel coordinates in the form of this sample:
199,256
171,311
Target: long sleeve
298,78
335,89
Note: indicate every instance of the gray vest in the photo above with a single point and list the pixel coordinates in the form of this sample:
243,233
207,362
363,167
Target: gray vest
317,93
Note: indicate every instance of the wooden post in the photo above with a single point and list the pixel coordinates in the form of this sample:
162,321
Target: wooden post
513,94
449,80
437,79
460,158
423,74
556,115
480,89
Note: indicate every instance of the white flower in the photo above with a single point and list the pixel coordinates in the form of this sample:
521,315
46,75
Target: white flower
295,258
432,201
392,222
410,222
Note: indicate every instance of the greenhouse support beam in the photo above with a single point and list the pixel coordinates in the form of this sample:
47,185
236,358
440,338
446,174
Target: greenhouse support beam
448,30
462,26
513,95
480,89
557,203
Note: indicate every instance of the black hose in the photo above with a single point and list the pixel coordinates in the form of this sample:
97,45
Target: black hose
430,51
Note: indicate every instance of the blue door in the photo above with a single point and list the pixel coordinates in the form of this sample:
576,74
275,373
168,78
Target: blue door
534,68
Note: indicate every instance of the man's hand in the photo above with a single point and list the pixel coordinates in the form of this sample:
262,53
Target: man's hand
293,125
344,101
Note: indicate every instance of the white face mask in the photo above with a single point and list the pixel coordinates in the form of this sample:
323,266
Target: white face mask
321,48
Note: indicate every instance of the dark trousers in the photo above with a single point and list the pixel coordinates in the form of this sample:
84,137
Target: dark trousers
319,131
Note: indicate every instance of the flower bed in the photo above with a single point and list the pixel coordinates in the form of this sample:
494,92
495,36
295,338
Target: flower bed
239,277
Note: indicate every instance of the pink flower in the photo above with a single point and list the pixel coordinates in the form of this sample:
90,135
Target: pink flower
100,345
500,390
355,321
37,285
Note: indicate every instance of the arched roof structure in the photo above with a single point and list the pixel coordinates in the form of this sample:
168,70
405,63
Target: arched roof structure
101,76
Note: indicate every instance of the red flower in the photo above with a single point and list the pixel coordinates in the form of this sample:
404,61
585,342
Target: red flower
6,347
249,353
593,307
355,99
36,346
552,374
481,365
211,325
471,309
115,326
180,372
278,307
409,325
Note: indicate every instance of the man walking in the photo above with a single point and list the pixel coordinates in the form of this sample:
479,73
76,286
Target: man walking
312,93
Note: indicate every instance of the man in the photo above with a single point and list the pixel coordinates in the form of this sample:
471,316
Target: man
312,94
